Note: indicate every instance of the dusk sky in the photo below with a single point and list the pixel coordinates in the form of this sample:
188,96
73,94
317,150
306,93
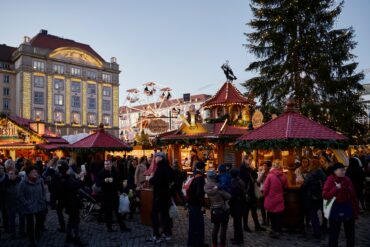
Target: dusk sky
180,44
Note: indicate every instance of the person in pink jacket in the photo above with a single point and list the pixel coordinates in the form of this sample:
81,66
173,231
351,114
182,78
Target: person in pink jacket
273,190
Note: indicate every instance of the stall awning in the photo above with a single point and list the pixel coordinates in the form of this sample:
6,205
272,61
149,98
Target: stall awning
100,140
291,129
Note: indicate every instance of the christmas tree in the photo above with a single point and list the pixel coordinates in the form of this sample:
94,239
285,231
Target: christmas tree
300,55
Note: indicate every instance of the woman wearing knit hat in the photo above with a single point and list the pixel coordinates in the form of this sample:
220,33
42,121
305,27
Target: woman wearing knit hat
345,207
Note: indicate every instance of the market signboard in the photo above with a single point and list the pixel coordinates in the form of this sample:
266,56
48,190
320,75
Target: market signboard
7,130
158,126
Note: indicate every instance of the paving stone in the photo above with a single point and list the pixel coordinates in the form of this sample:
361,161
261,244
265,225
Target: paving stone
94,234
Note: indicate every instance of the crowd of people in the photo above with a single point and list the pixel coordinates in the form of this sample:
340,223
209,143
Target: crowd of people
31,190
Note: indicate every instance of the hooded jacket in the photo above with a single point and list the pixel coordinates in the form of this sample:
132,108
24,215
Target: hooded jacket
32,196
216,196
273,190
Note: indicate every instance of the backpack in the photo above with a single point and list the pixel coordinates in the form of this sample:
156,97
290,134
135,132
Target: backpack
187,185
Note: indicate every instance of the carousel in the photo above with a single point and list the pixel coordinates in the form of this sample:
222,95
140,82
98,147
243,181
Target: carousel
288,137
227,117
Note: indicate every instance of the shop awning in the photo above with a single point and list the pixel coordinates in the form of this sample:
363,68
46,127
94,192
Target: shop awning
291,129
100,140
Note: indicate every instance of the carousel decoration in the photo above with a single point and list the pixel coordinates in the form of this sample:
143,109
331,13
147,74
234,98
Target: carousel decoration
229,105
150,101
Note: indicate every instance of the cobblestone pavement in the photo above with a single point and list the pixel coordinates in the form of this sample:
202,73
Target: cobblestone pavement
95,234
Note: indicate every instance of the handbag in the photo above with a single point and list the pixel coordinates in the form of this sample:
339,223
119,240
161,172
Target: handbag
173,211
328,205
218,215
257,191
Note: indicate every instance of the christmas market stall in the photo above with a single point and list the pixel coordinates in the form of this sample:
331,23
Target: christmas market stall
20,137
99,142
287,137
227,117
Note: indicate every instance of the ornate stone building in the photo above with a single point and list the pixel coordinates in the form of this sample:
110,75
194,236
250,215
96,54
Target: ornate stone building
66,84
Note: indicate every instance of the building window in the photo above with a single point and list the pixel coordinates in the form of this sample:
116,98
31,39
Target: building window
76,71
106,105
107,77
106,120
91,74
91,103
58,84
76,118
6,91
58,117
38,81
39,114
106,91
38,65
5,104
4,66
38,98
6,78
76,87
58,69
75,101
91,88
58,99
91,119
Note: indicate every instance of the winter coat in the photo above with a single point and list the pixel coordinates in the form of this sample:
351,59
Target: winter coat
217,197
110,190
312,189
139,174
162,181
249,176
238,200
3,181
346,195
32,196
224,181
72,199
273,190
357,176
196,192
11,194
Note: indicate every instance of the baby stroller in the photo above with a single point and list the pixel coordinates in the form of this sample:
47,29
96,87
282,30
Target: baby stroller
91,206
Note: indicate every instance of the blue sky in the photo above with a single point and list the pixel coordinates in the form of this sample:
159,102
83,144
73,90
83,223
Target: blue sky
177,43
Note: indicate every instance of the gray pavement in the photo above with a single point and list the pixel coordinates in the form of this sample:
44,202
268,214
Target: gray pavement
94,234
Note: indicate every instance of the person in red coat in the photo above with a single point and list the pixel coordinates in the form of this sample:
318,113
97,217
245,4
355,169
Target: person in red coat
273,190
345,207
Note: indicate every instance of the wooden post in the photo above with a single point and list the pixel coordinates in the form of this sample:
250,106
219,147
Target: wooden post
220,154
291,168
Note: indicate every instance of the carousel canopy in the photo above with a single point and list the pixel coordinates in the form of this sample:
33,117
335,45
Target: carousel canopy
100,140
291,129
212,132
226,95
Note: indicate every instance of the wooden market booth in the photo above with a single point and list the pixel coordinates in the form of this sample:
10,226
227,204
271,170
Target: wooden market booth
285,136
20,137
228,117
99,142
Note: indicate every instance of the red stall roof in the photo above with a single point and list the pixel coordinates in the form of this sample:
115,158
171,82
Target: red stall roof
228,94
100,139
291,129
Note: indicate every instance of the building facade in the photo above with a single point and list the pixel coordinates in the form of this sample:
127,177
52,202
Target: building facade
158,117
66,84
7,80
